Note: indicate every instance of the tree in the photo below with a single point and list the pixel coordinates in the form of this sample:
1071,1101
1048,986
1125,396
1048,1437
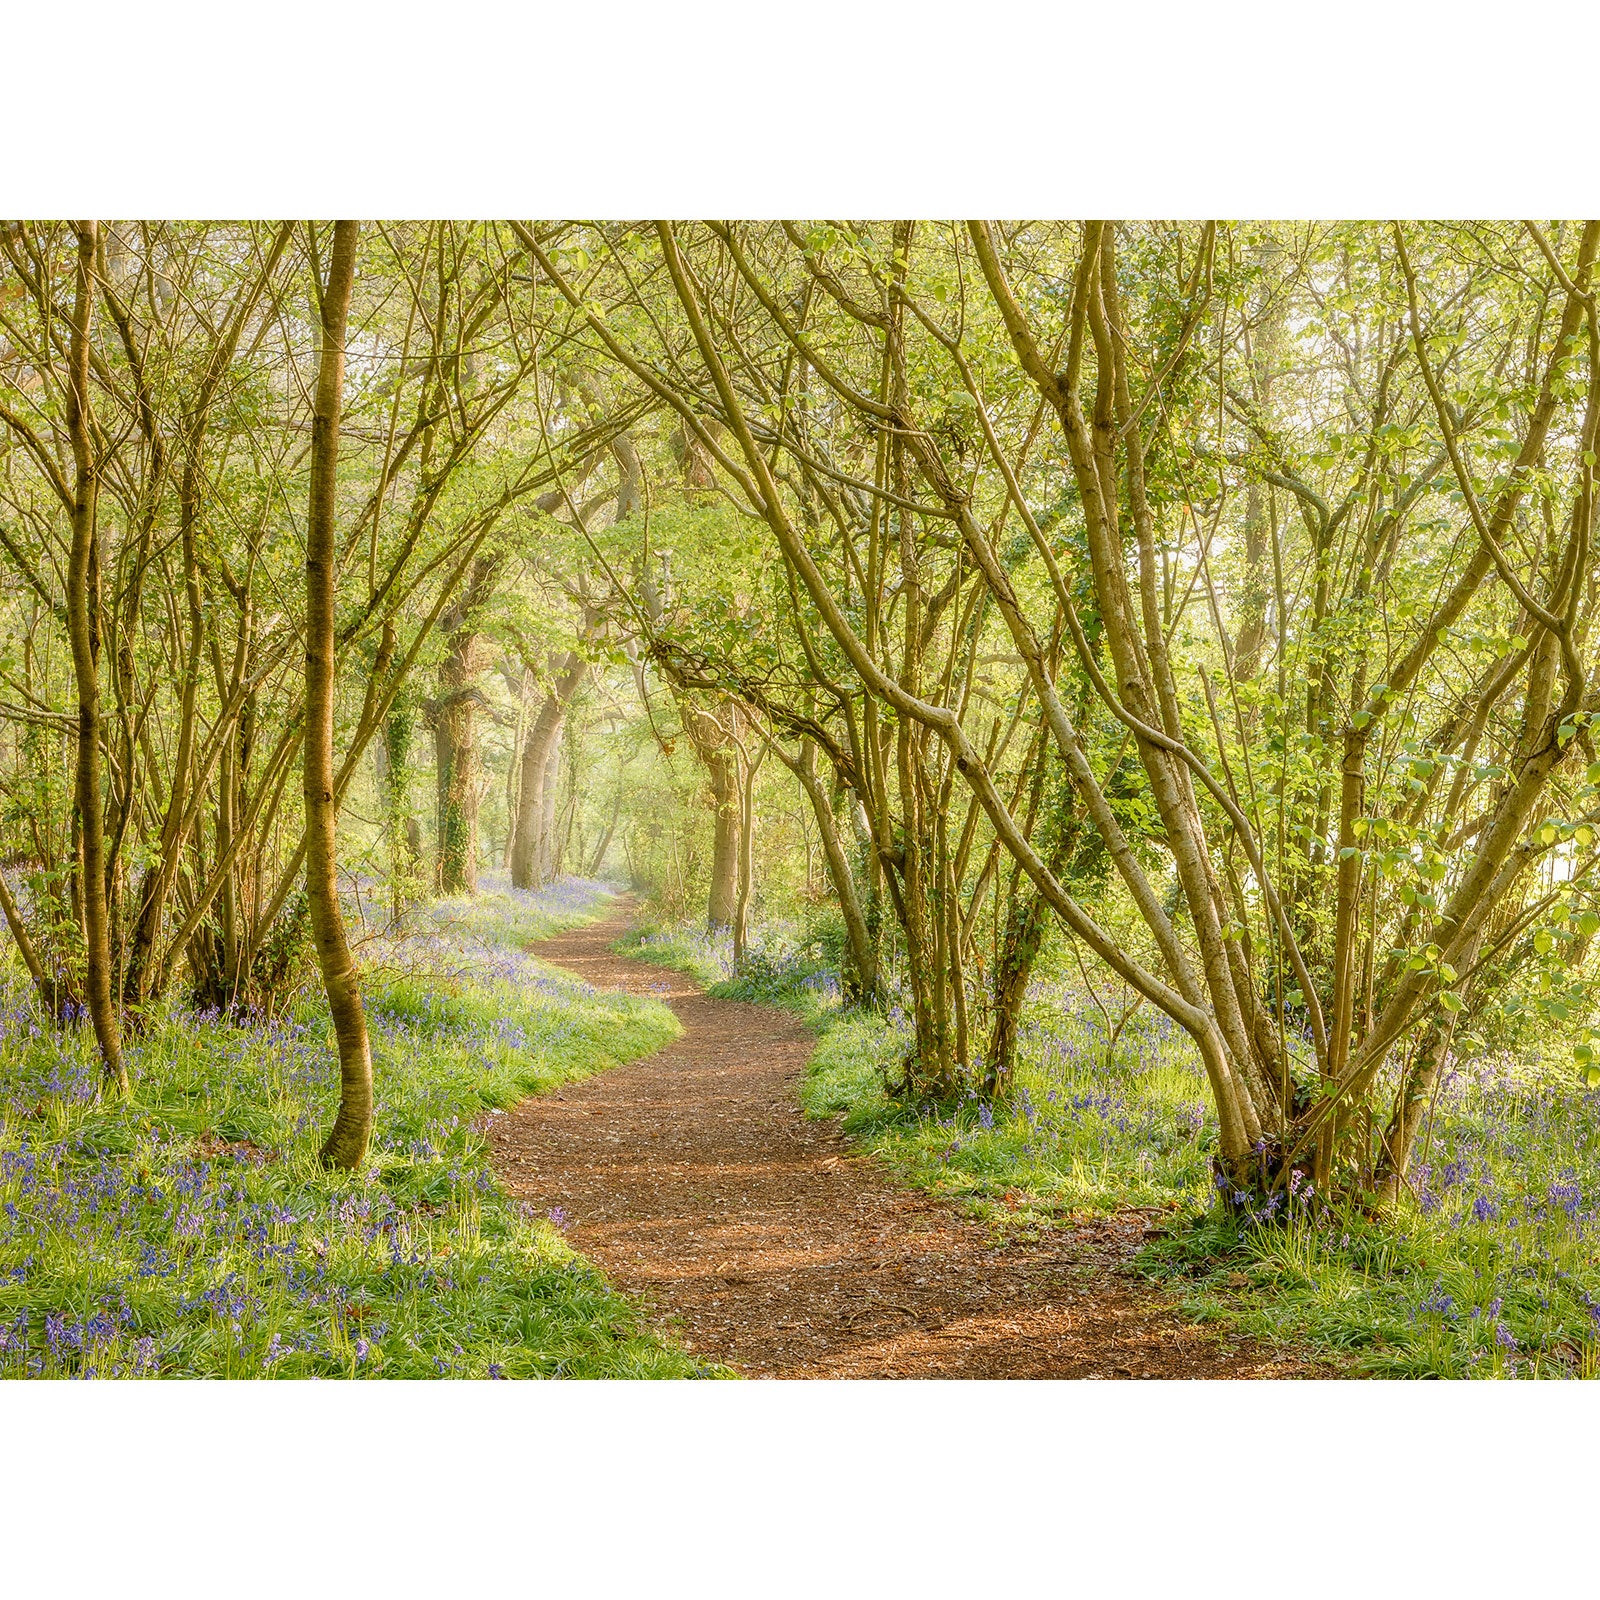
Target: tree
1294,951
346,1144
83,624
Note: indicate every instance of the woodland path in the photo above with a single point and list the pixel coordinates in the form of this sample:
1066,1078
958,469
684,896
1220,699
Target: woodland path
759,1238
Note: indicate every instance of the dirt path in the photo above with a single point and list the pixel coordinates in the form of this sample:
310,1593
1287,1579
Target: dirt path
757,1238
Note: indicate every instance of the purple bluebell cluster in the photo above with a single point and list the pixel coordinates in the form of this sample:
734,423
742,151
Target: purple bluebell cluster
190,1230
1096,1111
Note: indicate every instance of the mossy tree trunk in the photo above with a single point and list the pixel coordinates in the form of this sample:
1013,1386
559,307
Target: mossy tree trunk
83,626
455,737
346,1145
718,756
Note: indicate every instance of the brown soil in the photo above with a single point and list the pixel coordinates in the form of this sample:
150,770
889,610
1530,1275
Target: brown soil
756,1237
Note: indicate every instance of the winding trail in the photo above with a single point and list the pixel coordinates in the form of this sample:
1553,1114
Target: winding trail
759,1238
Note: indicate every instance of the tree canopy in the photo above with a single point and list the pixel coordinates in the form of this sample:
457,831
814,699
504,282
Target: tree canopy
1214,597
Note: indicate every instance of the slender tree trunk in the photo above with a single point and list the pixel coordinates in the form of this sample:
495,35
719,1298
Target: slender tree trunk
713,746
394,763
83,624
1027,916
747,839
514,774
566,849
347,1144
722,900
30,959
1414,1099
859,979
598,859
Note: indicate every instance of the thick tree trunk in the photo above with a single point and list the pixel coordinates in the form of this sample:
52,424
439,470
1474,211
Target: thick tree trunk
527,841
1027,916
347,1144
83,624
455,764
455,740
530,799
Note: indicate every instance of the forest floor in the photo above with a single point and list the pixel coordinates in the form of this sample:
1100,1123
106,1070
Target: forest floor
761,1239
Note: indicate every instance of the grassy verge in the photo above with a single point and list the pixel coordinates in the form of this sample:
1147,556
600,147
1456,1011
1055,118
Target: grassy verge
706,957
1080,1133
1489,1267
190,1232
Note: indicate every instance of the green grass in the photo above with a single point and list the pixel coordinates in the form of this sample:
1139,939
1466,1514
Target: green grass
706,957
1077,1135
189,1231
1489,1266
